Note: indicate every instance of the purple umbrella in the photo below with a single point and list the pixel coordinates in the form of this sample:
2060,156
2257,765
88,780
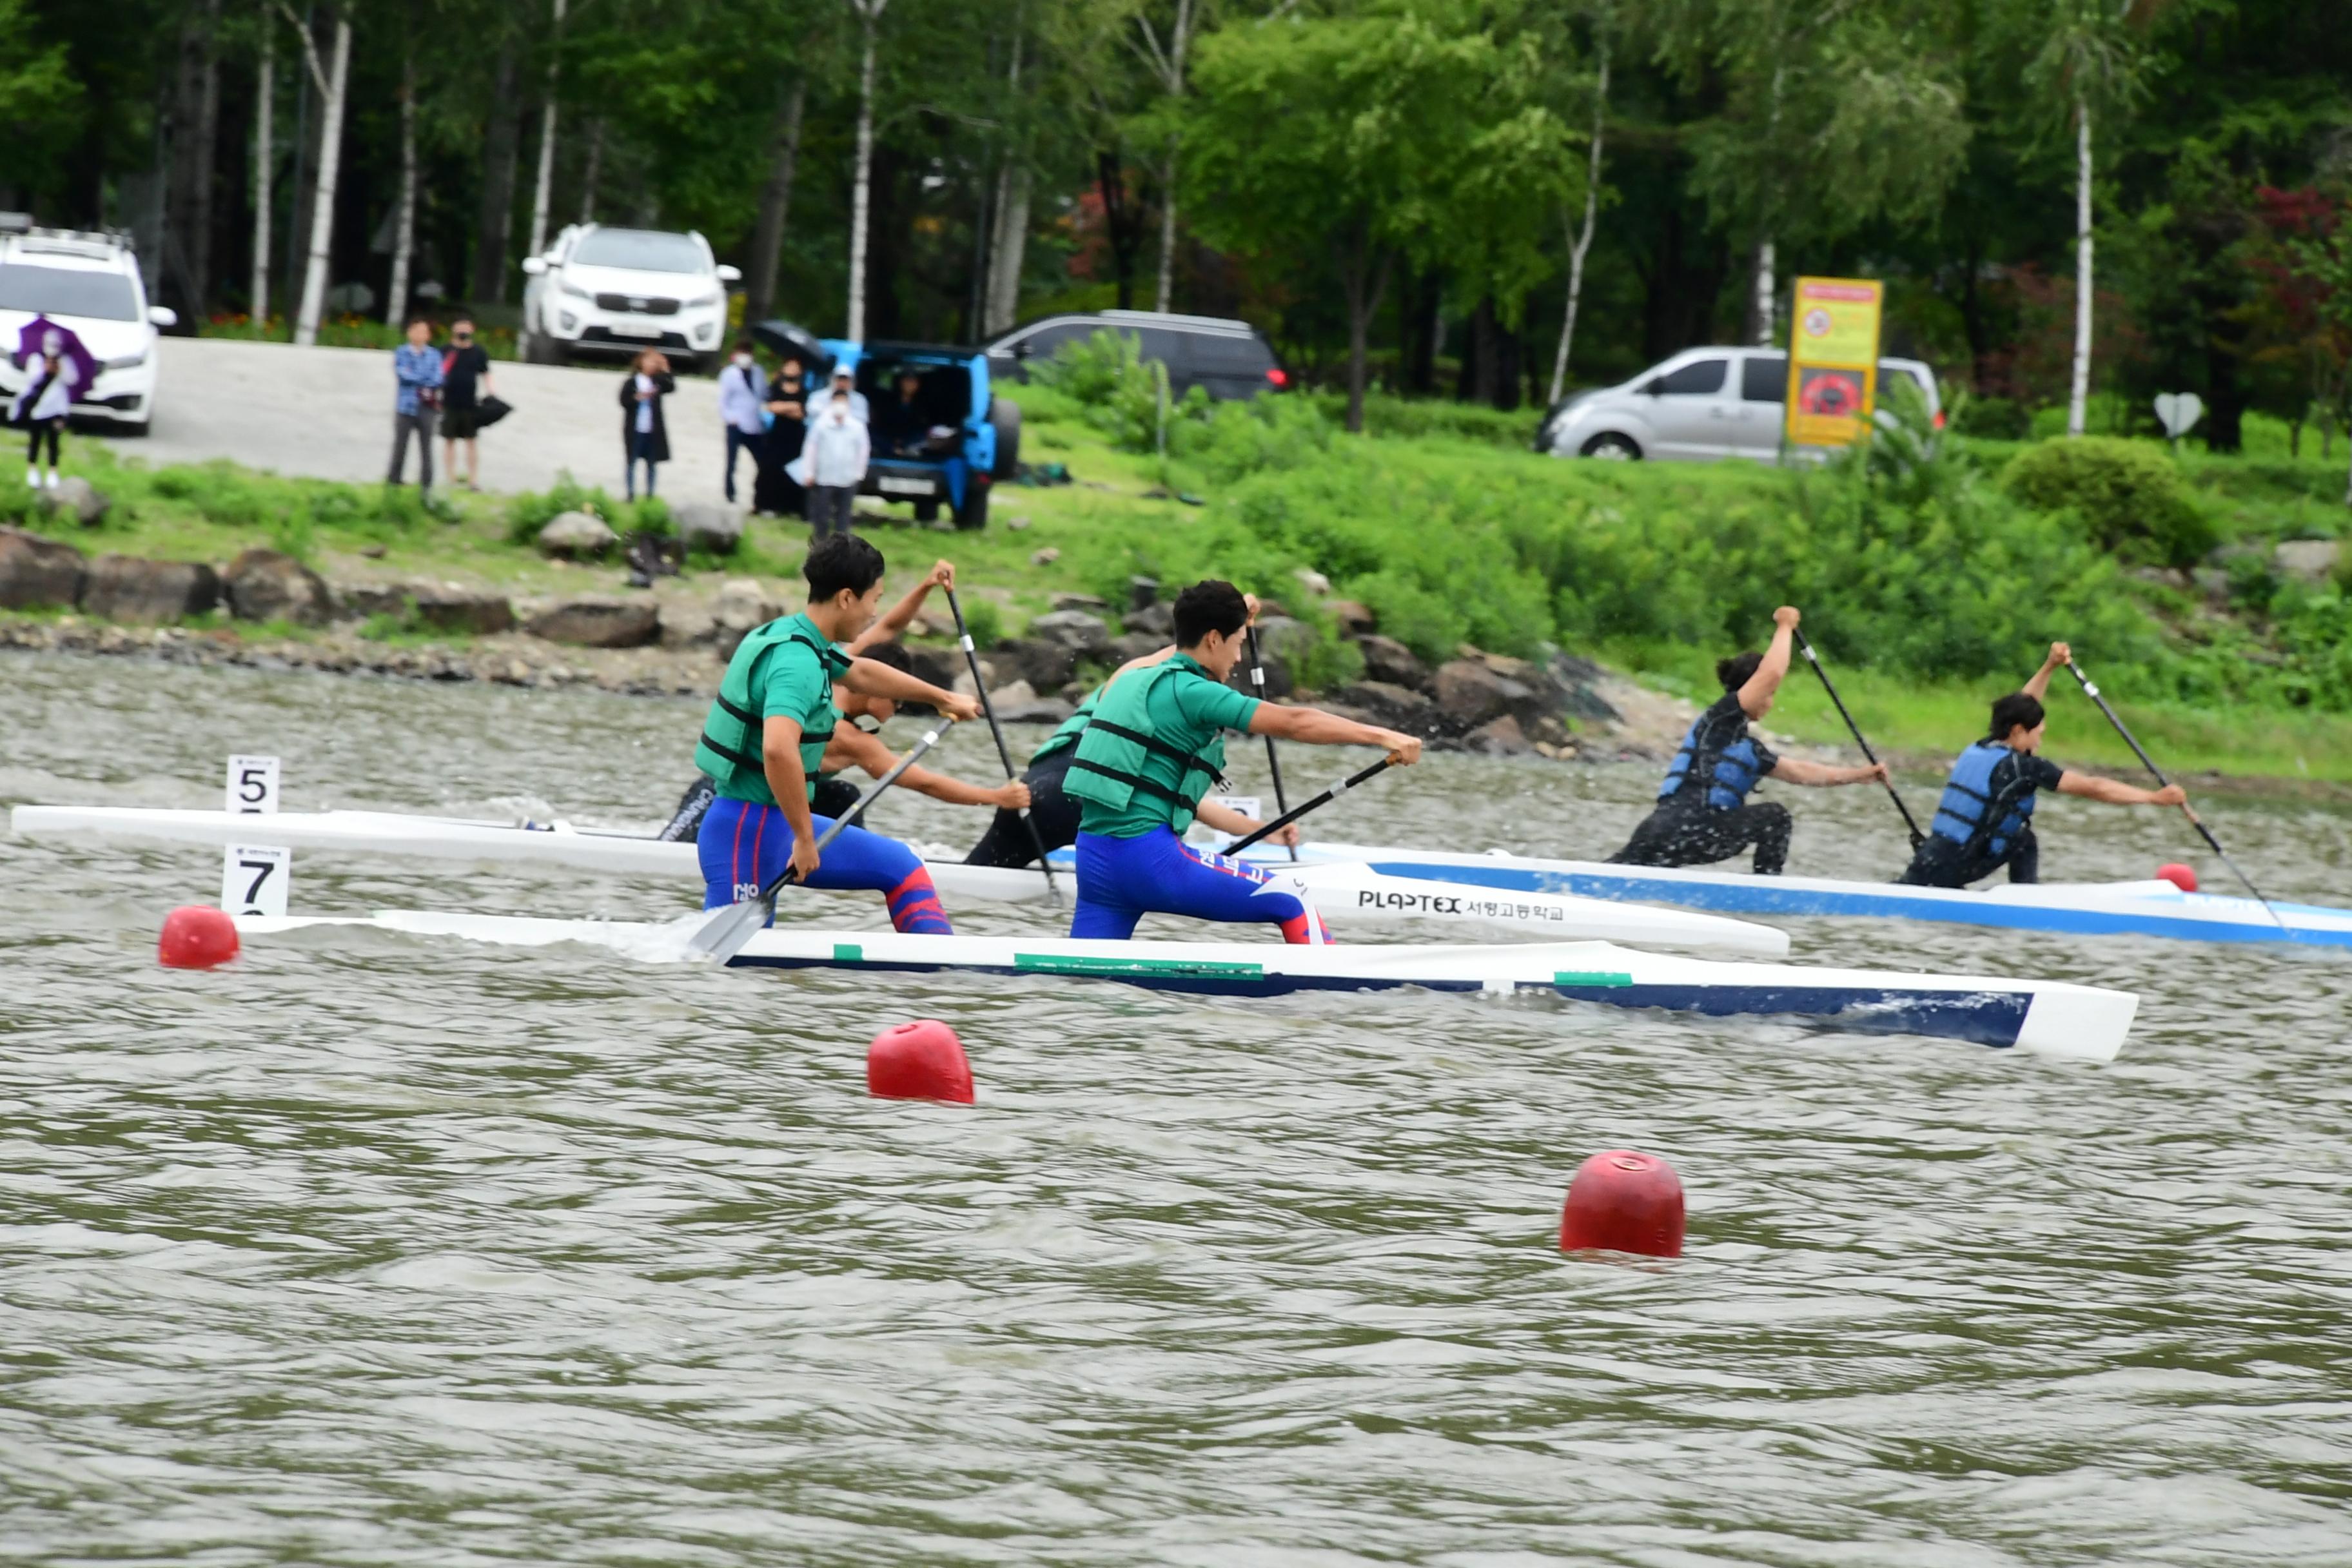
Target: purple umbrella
32,342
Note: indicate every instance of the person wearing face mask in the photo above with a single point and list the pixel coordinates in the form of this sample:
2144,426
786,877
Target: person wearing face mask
465,382
645,434
836,457
42,407
774,491
740,408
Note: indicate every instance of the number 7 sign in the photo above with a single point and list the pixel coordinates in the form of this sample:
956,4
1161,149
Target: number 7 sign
253,879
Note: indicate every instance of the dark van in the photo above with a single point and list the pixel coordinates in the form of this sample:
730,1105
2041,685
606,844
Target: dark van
1230,359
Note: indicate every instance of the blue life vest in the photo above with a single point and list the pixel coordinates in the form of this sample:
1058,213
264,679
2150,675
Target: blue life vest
1730,774
1970,815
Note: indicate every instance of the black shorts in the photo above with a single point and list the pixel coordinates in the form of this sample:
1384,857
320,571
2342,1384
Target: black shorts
461,424
1007,841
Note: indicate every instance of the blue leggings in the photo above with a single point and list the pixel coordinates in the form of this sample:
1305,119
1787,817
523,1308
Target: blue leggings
1121,879
745,847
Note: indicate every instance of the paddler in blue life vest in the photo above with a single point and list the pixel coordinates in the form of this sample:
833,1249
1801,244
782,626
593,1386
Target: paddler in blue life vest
1057,813
1985,818
1703,813
1152,749
764,741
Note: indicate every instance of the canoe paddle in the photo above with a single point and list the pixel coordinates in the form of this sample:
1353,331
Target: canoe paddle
722,936
1004,753
1830,686
1325,799
2092,691
1273,762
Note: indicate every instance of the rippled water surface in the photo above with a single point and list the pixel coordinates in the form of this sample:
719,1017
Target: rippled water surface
369,1250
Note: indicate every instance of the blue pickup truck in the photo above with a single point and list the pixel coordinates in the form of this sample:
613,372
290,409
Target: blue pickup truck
940,433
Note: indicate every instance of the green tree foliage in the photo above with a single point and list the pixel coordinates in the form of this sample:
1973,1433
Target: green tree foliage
2129,495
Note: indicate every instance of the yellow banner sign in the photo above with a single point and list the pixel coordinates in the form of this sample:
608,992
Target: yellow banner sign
1833,360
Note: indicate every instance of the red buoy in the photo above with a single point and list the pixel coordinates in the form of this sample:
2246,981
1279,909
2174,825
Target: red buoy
1623,1200
196,936
918,1060
2181,876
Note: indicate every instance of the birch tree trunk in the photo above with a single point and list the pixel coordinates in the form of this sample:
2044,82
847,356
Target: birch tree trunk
861,195
540,189
264,154
1167,234
403,228
333,80
775,204
1582,242
2078,396
1765,287
1012,247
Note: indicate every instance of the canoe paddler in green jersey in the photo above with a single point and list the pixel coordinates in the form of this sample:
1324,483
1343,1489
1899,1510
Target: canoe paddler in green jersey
1055,812
1153,750
764,738
853,746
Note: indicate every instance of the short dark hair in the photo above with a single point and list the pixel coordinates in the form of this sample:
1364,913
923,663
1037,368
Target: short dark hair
460,320
419,318
2012,711
893,653
1739,670
745,346
1213,605
841,561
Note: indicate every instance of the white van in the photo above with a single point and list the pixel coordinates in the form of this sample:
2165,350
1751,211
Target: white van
90,282
1699,406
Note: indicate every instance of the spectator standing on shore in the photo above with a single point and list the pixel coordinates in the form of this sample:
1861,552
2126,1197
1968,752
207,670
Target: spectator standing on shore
416,369
645,434
740,407
838,450
44,404
465,381
774,491
845,382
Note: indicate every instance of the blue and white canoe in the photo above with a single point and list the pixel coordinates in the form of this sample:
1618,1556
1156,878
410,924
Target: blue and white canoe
2079,908
2048,1017
1345,891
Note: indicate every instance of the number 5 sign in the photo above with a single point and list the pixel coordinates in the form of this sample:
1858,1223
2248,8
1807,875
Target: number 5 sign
253,879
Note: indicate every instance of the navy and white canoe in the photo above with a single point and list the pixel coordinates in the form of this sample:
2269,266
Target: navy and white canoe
2048,1017
2080,908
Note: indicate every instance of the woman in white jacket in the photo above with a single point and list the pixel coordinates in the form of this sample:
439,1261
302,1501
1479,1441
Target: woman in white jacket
43,405
837,452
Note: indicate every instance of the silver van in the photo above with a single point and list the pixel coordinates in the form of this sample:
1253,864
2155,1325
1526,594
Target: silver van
1699,406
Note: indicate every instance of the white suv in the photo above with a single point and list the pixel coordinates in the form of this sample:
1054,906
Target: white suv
616,291
1699,406
91,283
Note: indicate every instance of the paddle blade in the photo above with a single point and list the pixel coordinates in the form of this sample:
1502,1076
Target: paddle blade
724,935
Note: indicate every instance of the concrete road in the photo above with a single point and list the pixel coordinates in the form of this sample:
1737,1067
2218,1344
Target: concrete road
326,414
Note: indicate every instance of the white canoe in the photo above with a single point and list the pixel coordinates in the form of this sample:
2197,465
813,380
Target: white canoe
1344,890
2052,1018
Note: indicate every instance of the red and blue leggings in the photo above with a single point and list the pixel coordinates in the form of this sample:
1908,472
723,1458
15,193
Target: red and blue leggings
745,847
1121,879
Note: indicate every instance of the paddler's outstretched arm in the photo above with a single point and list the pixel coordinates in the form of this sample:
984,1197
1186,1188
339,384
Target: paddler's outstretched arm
779,760
1756,696
1316,727
1796,770
853,747
895,620
2039,687
2090,786
872,677
1226,819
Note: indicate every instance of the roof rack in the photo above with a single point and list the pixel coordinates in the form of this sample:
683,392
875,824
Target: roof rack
87,241
1169,318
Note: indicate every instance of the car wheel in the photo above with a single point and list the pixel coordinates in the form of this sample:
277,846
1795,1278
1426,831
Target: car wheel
1005,415
927,511
1614,447
541,349
973,513
136,431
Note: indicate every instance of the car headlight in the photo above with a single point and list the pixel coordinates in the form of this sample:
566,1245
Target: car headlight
125,361
715,298
572,289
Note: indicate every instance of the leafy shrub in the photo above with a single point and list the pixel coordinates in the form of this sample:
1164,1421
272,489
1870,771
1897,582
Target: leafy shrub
531,511
1993,418
984,620
2129,496
649,515
1123,396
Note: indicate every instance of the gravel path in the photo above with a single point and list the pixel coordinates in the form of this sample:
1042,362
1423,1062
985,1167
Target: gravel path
327,413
